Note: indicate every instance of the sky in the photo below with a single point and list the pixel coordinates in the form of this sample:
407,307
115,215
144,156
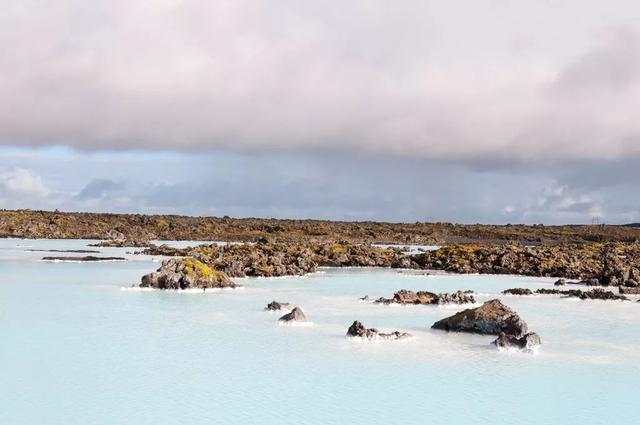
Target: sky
494,111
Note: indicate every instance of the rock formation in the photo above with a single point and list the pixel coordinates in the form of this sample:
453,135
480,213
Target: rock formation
492,318
186,273
358,330
296,315
405,296
528,341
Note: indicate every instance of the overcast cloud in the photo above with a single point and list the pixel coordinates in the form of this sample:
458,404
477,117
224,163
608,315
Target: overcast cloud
494,111
436,79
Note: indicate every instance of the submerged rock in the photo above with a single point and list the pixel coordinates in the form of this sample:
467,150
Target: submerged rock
186,273
85,259
296,315
275,305
358,330
528,341
492,318
405,296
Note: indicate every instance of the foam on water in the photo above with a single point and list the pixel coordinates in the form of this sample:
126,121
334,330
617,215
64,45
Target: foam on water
81,346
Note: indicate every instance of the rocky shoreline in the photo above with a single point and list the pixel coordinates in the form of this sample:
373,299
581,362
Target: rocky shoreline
143,228
593,264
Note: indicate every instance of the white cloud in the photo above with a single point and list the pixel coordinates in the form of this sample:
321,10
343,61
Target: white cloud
439,79
20,182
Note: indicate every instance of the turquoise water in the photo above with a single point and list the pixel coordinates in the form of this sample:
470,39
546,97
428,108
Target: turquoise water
78,347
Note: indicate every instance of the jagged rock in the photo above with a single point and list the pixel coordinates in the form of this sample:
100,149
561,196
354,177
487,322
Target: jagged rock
296,315
528,341
365,299
492,318
186,273
275,305
358,330
405,296
518,291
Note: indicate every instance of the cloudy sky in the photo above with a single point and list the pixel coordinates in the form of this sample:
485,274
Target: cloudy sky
469,111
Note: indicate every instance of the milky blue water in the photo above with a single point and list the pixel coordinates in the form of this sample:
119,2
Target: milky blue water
77,348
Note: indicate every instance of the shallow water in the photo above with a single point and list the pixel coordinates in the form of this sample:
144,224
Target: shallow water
79,347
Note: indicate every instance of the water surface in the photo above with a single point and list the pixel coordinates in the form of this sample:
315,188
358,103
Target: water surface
79,348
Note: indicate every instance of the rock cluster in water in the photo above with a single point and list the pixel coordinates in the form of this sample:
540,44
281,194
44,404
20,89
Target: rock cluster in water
266,259
614,264
492,318
358,330
594,294
405,296
186,273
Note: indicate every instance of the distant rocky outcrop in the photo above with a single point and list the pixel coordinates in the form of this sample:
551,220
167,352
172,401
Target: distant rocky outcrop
492,318
405,296
55,224
296,315
358,330
593,294
186,273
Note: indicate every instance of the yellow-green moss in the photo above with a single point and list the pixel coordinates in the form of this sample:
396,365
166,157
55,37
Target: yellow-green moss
195,268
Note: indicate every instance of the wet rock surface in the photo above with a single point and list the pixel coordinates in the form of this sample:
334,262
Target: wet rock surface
492,318
358,330
186,273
